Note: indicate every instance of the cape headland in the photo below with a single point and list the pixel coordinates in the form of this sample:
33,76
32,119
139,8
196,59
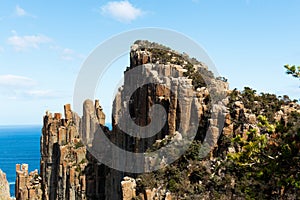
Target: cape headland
246,145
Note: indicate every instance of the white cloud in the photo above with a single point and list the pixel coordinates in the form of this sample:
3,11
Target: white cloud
31,94
20,11
69,54
44,94
1,49
13,87
68,51
16,81
21,43
122,11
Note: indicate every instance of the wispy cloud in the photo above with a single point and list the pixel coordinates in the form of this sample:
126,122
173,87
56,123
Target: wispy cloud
21,43
21,12
70,54
122,11
15,81
32,94
40,94
15,87
1,49
18,11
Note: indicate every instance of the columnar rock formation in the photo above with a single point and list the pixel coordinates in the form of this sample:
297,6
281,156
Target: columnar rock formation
69,171
27,184
4,187
156,78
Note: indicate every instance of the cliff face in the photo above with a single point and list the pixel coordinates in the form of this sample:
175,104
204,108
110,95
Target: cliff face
159,77
253,151
4,187
78,163
68,168
68,171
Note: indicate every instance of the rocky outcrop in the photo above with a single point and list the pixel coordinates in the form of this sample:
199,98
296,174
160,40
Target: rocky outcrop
243,118
167,98
28,185
162,99
68,171
4,187
128,188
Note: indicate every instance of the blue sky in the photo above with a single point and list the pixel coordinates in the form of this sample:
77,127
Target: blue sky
43,45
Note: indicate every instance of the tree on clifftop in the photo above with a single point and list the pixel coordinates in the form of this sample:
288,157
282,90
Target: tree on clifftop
293,70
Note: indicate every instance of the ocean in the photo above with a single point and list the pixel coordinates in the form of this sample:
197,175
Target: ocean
19,144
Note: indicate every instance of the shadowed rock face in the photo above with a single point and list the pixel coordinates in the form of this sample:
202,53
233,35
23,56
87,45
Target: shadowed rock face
69,171
4,187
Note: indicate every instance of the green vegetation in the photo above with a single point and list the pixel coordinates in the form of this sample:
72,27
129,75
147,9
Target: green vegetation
267,165
83,161
293,70
78,145
264,104
258,162
255,160
200,77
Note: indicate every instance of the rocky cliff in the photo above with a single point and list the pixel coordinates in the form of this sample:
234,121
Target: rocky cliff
166,99
27,184
161,76
4,187
69,171
257,157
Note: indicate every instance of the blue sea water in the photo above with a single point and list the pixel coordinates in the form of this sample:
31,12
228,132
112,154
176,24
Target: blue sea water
19,144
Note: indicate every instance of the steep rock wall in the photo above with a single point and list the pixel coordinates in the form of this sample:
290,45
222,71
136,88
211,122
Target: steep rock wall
4,187
69,171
